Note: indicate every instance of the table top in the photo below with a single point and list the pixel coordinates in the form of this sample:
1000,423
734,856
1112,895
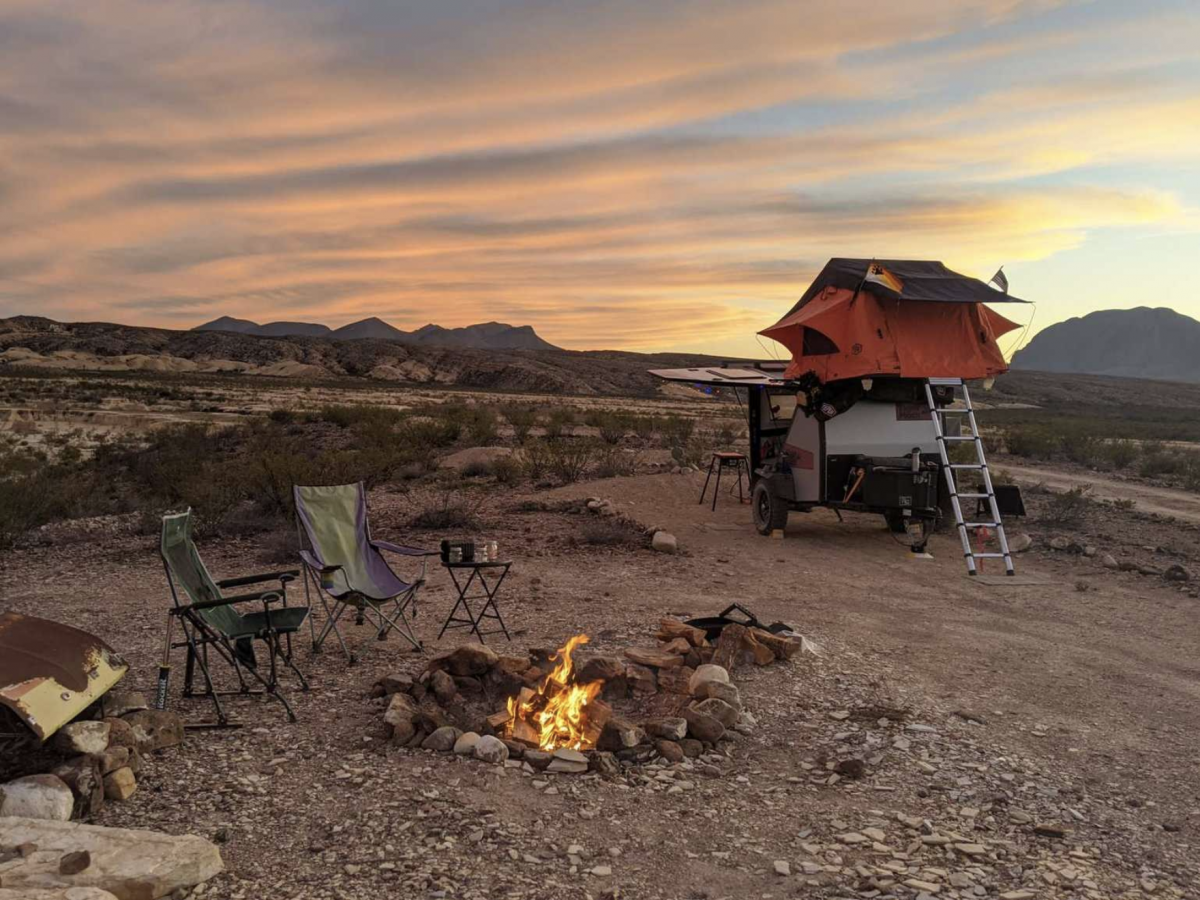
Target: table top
475,564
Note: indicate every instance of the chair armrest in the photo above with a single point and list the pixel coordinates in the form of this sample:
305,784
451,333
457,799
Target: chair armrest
265,596
402,550
286,575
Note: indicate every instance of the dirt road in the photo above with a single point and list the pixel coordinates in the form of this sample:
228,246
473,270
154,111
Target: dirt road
1149,499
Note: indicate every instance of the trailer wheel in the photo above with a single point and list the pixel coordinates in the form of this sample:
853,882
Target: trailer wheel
770,510
895,522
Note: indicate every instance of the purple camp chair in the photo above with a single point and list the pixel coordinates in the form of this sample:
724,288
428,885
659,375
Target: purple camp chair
347,567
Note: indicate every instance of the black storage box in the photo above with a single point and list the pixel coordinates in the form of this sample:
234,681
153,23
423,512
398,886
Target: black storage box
900,488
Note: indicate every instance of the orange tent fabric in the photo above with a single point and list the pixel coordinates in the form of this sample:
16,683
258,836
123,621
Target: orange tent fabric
837,334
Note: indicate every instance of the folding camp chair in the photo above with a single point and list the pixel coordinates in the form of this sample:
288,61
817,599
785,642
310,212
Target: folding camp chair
210,620
347,567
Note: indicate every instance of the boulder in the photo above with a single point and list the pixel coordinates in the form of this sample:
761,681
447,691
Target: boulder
728,646
664,542
491,749
640,679
702,726
568,762
120,785
669,750
401,718
539,759
619,734
84,775
465,745
718,709
120,733
671,729
443,739
392,684
721,690
705,674
443,686
36,797
600,668
1019,542
1177,572
83,737
119,703
133,865
691,747
114,758
469,659
155,729
73,893
676,681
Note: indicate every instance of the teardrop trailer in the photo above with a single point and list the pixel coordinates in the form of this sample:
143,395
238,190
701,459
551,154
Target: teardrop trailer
864,416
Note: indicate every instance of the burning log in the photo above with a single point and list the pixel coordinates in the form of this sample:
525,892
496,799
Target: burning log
556,714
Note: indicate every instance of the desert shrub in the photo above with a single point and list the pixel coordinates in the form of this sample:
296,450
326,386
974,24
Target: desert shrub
358,414
690,453
613,427
559,421
1158,462
609,533
536,460
569,460
1080,446
521,417
725,435
507,470
1068,507
445,511
429,433
678,430
477,468
644,427
1032,442
1121,453
612,462
480,425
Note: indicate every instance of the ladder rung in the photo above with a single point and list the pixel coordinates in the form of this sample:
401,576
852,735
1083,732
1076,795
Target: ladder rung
945,382
974,496
968,465
946,409
986,555
958,438
981,524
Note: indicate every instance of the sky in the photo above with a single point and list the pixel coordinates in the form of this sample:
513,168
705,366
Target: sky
627,175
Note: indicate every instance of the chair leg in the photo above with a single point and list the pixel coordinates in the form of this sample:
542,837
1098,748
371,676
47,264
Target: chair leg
717,487
707,478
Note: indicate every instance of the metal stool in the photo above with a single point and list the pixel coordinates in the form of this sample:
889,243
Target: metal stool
722,461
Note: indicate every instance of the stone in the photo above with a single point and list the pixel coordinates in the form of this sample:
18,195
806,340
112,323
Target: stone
702,726
115,704
36,797
852,767
468,684
1019,542
1109,562
721,690
1050,829
1150,570
401,717
71,893
971,849
704,675
1018,895
442,740
538,759
84,775
602,871
567,762
606,764
641,679
674,628
120,785
130,864
443,686
491,749
600,668
516,750
74,862
676,681
120,733
669,750
654,659
468,659
619,734
1177,572
718,709
155,729
670,729
692,748
927,887
664,542
394,684
1059,543
1089,550
465,745
782,867
83,737
114,758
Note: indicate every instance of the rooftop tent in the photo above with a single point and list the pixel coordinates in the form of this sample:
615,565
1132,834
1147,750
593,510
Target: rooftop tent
912,319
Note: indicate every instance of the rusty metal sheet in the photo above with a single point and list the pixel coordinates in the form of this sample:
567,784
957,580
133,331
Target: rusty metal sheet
50,672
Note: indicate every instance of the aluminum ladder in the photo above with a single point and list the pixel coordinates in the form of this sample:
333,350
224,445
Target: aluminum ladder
965,528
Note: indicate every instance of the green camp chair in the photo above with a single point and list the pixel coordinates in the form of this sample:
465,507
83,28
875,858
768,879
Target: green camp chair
211,620
348,567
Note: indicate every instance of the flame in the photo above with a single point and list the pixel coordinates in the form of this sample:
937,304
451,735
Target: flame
557,711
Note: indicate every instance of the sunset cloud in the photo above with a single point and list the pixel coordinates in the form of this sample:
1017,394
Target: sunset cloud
645,176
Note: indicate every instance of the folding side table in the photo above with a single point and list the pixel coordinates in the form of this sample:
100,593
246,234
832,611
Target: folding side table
479,572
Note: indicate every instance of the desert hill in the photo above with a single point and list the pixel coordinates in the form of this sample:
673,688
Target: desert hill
1150,343
35,342
487,336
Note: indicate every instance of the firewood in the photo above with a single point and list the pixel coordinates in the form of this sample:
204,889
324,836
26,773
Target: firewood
525,733
783,647
497,720
760,654
673,628
678,646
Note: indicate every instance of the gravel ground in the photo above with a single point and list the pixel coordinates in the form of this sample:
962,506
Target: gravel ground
1018,741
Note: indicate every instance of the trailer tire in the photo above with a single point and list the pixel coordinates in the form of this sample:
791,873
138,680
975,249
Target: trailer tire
769,509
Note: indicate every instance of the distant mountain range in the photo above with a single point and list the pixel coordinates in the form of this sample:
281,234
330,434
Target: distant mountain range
1129,343
486,336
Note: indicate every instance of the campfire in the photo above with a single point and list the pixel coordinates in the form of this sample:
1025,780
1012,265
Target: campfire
560,713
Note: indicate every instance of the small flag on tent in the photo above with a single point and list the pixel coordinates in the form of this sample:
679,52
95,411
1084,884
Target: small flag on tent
879,275
1000,280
